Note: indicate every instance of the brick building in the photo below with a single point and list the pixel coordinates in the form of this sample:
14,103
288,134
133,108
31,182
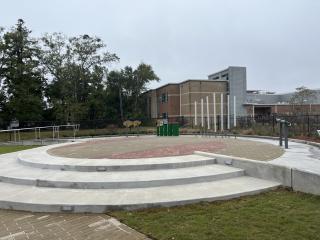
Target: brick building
227,95
176,100
261,103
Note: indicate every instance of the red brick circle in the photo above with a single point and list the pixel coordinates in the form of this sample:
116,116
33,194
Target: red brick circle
177,150
142,147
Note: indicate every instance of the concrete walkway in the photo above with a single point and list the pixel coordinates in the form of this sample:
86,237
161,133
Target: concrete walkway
300,156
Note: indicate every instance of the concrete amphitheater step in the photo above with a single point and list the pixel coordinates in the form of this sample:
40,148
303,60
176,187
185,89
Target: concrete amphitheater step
15,173
41,159
40,199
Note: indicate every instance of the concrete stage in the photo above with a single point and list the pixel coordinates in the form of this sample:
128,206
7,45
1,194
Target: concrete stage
79,176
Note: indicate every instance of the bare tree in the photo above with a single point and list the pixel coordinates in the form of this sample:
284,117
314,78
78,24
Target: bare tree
301,98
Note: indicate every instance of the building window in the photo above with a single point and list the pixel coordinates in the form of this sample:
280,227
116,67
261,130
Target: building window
225,76
164,97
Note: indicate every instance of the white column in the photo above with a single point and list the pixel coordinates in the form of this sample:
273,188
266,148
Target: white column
180,101
214,113
228,111
208,114
202,123
221,113
253,112
234,111
195,114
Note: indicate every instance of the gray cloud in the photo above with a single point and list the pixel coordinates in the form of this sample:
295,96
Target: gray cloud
277,40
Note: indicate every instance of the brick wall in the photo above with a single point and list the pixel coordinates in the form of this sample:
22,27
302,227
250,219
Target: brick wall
195,90
172,105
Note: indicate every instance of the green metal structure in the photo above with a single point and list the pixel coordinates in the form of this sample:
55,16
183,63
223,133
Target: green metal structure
171,129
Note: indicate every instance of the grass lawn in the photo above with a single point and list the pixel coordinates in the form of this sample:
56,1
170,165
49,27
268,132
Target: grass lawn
279,214
13,148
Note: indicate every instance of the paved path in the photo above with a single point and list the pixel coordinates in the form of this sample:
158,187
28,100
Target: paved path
15,225
300,156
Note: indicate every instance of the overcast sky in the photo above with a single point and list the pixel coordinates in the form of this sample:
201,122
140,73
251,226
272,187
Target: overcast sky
277,40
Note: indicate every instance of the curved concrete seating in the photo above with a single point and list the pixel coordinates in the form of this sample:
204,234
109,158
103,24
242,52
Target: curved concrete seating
33,180
39,158
12,172
40,199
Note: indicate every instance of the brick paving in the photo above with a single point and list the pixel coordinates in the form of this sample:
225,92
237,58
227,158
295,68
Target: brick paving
17,225
146,147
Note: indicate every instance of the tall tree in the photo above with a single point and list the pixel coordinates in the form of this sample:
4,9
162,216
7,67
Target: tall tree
116,84
21,75
77,85
1,50
3,98
77,67
130,84
143,75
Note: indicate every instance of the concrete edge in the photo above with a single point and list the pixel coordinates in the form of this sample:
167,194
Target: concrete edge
305,181
254,168
54,208
298,180
109,168
72,184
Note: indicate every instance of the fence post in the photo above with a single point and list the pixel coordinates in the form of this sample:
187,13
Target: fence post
280,133
214,113
285,125
202,120
208,113
221,113
273,121
195,114
228,112
308,125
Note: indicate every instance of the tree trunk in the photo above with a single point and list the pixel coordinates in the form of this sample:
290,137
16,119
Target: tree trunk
120,104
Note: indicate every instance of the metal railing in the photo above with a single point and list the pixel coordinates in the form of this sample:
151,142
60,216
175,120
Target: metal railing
37,131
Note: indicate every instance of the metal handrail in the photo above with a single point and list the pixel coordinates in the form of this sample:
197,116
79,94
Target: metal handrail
55,131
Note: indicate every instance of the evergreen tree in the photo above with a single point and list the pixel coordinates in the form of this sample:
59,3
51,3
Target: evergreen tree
21,77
